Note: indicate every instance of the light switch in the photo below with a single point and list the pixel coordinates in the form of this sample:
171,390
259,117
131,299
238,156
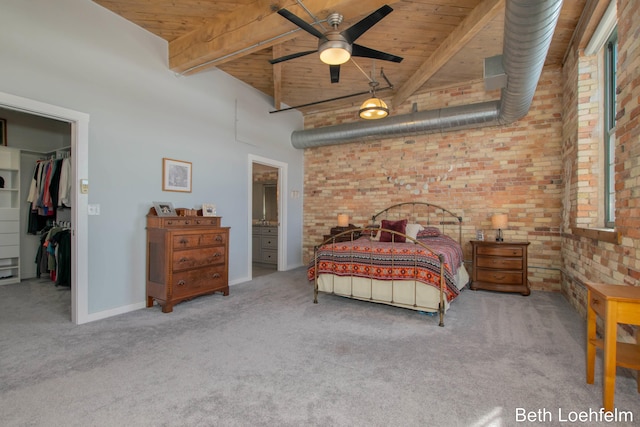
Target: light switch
84,186
93,209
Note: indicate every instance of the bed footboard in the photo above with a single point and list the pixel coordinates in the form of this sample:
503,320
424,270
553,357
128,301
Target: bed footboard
345,256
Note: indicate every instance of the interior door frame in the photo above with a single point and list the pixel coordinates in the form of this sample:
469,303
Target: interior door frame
282,210
79,202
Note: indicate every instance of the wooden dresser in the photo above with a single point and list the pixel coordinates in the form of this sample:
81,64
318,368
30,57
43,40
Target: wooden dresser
500,266
187,256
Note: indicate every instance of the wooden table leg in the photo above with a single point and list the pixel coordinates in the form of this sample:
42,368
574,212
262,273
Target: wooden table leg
591,336
610,343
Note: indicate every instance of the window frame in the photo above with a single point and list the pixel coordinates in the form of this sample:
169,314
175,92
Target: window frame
609,136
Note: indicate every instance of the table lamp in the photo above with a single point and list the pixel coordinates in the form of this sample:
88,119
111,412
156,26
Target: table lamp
343,220
498,222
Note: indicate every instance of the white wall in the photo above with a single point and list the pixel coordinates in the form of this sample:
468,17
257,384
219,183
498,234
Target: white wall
77,55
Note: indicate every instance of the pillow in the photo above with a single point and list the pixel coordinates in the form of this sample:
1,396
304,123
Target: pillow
413,230
429,232
374,234
399,226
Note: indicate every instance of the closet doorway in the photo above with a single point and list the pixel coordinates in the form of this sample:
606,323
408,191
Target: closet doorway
77,124
267,208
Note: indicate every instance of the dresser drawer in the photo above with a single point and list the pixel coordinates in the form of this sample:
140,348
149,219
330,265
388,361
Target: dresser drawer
508,251
9,251
500,263
182,221
500,276
269,231
198,257
269,257
270,242
196,282
9,239
9,226
184,241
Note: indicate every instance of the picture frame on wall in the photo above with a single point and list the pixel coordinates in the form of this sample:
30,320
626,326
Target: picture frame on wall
164,209
208,209
3,132
176,175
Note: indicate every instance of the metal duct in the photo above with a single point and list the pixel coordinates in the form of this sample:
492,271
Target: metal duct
528,29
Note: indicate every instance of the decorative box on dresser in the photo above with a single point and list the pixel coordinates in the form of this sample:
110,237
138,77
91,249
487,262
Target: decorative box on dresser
187,256
500,266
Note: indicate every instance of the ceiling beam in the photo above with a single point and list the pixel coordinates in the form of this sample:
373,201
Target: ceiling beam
479,17
277,78
251,28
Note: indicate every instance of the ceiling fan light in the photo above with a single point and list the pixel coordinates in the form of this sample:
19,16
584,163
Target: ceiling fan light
373,108
334,56
334,49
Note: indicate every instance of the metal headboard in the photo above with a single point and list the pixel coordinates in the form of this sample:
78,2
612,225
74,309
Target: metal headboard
426,214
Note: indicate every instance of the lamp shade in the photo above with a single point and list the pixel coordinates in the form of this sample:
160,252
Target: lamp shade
343,220
499,221
374,108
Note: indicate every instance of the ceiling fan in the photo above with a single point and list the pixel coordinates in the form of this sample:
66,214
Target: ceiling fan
336,47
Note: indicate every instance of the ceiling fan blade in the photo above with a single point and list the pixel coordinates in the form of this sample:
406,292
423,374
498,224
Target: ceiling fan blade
300,23
352,33
335,73
292,56
366,52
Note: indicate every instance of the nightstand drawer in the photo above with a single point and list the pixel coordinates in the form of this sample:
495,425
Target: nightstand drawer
500,251
501,263
500,276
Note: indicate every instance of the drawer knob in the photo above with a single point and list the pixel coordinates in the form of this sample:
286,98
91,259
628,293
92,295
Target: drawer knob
218,238
183,259
181,283
169,222
595,301
183,241
215,276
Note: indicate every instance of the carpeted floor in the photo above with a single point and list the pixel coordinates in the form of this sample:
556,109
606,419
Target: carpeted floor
267,356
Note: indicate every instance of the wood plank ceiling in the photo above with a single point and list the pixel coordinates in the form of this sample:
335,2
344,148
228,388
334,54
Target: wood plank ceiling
443,43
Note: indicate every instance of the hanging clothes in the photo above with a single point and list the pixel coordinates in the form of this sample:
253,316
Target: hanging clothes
54,255
49,191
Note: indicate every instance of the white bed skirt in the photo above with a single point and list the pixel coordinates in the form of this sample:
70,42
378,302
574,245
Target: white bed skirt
400,293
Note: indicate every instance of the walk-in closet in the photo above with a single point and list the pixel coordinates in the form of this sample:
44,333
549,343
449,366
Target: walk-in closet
36,210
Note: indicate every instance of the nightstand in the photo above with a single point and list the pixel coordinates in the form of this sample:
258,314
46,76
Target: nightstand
344,238
500,266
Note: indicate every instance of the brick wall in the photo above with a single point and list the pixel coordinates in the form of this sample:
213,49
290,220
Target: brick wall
515,169
588,259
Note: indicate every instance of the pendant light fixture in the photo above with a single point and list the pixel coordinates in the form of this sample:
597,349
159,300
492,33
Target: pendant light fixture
374,107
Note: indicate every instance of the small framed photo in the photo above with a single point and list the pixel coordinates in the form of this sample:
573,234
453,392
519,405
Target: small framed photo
3,132
164,209
176,175
208,209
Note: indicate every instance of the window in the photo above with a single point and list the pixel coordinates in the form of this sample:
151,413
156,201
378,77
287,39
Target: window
610,64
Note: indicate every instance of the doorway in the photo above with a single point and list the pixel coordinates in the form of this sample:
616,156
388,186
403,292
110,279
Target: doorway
79,137
267,216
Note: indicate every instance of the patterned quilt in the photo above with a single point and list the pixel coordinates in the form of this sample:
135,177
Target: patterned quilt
392,261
